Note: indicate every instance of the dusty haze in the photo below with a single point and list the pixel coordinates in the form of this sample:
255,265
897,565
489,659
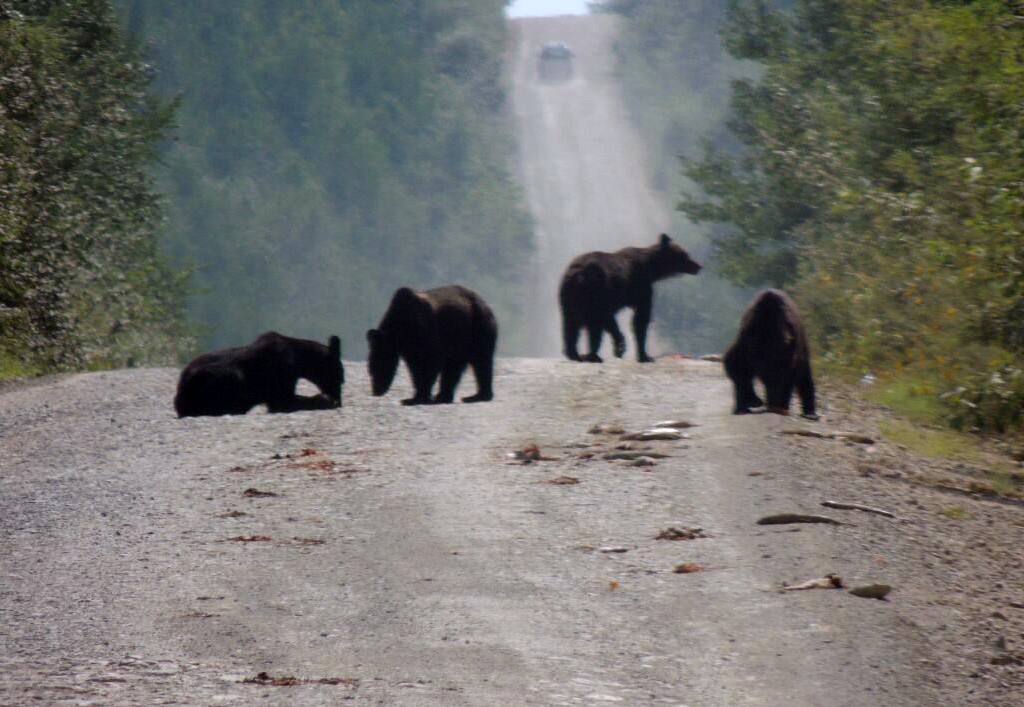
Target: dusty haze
582,164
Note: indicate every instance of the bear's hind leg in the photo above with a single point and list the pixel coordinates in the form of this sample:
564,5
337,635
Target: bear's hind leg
483,370
805,388
595,331
570,335
618,340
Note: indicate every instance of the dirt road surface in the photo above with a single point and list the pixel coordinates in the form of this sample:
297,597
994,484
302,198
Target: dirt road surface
582,165
384,555
408,557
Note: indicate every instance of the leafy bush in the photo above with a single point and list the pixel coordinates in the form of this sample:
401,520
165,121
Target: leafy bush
991,400
82,280
879,177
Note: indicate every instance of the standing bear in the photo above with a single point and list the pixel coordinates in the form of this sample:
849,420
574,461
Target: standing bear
436,332
233,381
597,285
771,345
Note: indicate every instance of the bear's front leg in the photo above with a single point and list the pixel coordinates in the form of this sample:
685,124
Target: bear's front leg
746,398
570,336
304,402
424,375
641,320
451,374
780,391
742,377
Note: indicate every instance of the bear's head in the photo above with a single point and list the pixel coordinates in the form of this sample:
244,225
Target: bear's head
331,374
382,360
668,259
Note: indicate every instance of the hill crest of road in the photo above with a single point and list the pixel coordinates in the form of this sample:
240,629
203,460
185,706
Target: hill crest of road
582,165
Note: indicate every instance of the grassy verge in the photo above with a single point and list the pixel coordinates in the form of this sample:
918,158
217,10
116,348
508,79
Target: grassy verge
919,424
12,367
913,398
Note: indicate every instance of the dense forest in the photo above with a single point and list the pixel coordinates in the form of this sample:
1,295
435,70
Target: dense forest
882,179
330,151
82,280
874,165
189,174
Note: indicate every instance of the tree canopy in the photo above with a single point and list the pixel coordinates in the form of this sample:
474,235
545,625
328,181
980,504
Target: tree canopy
82,280
331,151
880,175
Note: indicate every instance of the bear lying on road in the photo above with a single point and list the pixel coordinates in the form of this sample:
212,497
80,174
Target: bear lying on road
233,381
771,345
436,332
597,285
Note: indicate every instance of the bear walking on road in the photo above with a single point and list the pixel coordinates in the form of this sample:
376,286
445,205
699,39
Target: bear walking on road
436,332
597,285
233,381
771,345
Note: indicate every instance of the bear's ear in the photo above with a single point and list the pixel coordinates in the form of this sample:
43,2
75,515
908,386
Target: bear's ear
664,240
371,335
404,295
334,347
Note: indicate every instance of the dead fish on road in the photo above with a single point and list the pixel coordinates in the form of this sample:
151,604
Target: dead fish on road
784,518
674,424
656,433
630,456
872,591
829,581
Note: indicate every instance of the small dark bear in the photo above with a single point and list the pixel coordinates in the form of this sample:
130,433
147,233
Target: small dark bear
597,285
233,381
436,332
771,345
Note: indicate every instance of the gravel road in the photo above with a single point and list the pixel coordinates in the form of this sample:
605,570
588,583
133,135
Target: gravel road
408,562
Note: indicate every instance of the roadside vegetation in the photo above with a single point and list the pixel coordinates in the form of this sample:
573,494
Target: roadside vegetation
179,176
875,167
880,177
82,280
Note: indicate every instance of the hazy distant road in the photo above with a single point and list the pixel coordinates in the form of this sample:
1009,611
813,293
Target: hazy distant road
582,164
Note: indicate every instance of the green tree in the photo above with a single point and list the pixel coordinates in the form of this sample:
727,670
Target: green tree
880,177
332,151
82,281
